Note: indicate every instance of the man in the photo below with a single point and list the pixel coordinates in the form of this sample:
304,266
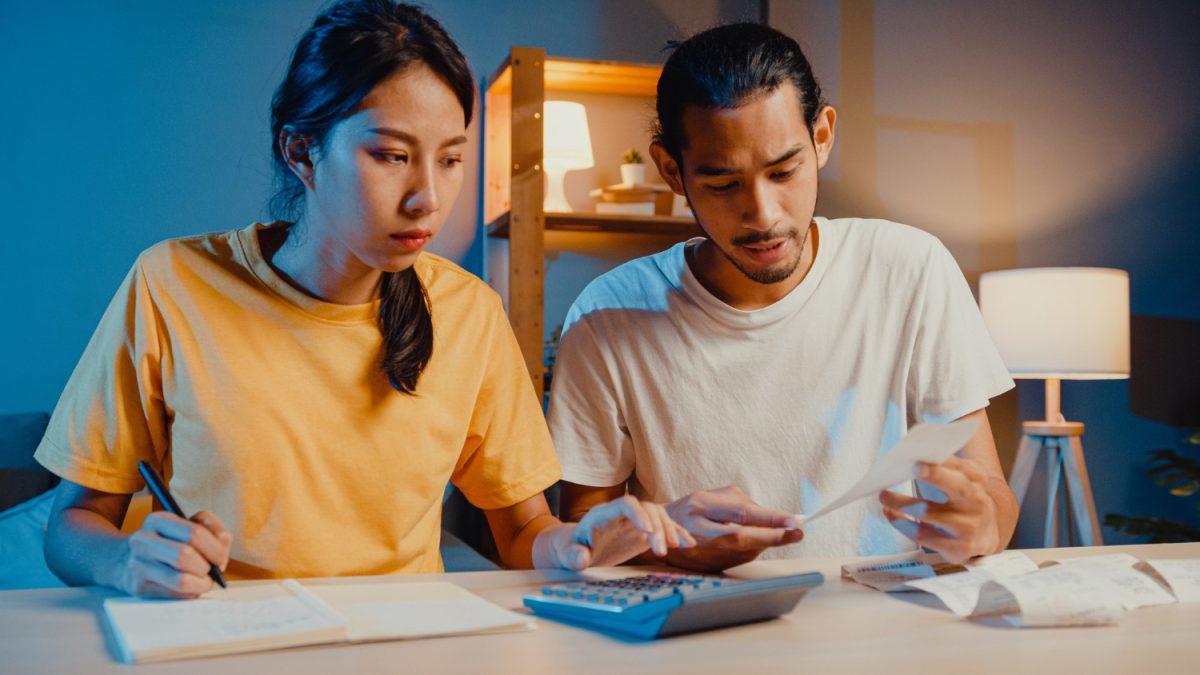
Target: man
781,355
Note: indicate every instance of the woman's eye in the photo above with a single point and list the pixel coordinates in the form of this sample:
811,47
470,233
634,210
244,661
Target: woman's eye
450,162
391,157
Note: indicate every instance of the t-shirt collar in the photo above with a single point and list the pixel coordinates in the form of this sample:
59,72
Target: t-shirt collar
784,307
248,238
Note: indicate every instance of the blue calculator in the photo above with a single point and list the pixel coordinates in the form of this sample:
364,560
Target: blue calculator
657,605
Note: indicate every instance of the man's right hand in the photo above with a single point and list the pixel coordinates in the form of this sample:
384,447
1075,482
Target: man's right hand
169,557
730,529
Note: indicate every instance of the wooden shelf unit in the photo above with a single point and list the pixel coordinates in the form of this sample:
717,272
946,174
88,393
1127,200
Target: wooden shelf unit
513,183
583,221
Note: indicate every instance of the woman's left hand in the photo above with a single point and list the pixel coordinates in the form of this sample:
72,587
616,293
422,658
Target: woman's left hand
960,528
610,534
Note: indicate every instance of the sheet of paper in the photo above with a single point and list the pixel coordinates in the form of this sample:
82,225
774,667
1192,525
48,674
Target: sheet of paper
242,615
1062,595
922,443
387,611
1182,575
960,591
1134,587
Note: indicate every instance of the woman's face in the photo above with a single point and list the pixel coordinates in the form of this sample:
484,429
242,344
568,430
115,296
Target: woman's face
385,177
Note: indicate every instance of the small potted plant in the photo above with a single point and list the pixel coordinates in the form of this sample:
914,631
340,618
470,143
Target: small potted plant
633,170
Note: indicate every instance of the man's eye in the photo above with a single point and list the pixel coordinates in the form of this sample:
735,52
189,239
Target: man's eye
781,175
722,187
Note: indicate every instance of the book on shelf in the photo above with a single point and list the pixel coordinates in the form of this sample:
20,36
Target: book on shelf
626,208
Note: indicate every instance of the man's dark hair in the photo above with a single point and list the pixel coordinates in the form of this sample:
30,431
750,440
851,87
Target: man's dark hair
723,68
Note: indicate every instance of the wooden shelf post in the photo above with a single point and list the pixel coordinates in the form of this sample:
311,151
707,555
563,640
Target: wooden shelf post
526,268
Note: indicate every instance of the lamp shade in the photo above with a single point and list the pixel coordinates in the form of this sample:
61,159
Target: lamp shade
1069,323
565,135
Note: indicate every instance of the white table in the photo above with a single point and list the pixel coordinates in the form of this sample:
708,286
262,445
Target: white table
838,627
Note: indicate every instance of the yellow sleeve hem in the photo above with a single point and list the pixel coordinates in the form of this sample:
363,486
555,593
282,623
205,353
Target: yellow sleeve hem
70,466
515,493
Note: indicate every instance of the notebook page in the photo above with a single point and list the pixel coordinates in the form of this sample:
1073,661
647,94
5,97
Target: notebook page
221,622
387,611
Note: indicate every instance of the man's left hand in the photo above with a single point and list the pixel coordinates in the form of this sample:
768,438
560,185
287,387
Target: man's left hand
962,527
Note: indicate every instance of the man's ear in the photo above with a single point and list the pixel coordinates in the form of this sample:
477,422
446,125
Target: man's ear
296,149
823,132
668,168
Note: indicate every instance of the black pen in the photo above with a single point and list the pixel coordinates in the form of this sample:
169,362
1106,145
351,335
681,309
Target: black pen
156,485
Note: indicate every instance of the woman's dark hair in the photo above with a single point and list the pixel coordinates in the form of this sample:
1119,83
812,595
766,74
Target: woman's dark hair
353,46
724,67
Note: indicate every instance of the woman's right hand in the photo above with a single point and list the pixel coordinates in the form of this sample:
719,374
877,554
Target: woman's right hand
169,557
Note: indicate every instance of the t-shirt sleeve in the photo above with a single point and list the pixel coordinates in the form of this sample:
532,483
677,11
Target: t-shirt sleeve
111,413
585,416
955,367
508,456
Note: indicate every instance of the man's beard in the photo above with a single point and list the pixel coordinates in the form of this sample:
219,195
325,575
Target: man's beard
770,275
767,276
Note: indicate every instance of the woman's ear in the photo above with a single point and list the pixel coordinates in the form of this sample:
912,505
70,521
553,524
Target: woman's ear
296,149
668,168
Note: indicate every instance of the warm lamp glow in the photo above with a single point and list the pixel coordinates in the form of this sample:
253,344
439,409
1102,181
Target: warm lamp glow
568,146
1059,323
1068,323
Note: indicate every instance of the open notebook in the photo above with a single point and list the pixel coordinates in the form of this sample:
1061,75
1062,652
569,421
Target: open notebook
257,617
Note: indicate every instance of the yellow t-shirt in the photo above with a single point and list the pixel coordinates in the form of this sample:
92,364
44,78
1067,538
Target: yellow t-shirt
268,408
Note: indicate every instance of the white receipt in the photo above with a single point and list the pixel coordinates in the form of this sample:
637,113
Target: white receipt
960,592
1182,575
923,443
1134,588
1063,595
1087,591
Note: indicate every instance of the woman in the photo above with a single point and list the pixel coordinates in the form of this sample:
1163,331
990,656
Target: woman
314,385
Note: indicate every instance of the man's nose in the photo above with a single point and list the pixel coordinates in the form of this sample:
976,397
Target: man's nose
761,210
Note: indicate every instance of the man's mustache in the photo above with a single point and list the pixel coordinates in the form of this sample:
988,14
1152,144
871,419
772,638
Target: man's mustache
757,237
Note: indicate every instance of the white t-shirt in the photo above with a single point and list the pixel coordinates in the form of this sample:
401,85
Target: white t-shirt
659,382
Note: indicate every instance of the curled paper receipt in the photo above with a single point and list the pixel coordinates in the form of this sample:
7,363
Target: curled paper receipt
923,443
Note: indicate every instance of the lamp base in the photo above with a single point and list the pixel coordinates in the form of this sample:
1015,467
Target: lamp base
1063,448
556,194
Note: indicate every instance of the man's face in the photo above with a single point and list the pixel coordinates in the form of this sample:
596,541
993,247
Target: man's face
750,175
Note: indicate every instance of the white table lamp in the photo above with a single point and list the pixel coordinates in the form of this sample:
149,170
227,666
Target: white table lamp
568,147
1059,323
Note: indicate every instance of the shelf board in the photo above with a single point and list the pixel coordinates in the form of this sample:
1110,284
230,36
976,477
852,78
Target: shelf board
580,221
587,76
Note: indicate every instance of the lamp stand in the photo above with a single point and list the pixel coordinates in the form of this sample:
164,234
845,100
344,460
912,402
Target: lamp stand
1065,467
556,194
